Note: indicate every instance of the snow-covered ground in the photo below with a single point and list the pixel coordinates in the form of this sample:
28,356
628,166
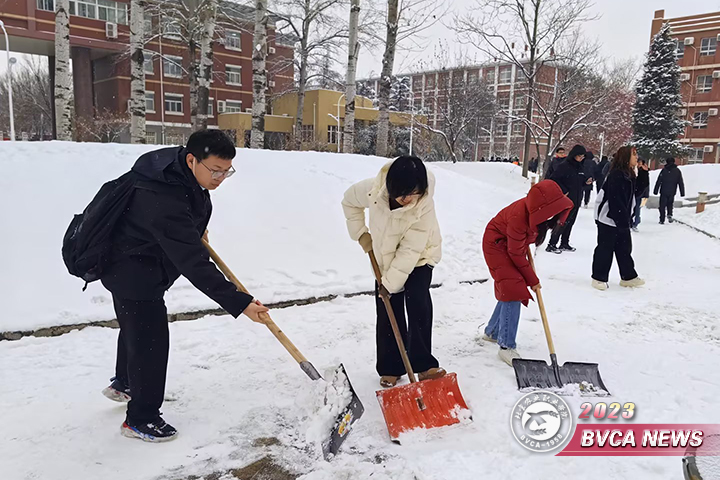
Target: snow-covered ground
707,221
230,382
697,178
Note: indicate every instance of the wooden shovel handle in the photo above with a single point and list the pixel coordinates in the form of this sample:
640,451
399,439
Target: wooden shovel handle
541,304
282,338
393,320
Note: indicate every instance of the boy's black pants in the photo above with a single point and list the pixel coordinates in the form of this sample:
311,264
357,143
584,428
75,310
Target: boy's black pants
666,204
562,232
617,241
142,355
416,332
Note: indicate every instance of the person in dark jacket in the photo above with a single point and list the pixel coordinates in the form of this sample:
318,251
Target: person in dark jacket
600,172
667,183
589,169
642,190
559,157
157,239
505,246
533,165
613,216
570,175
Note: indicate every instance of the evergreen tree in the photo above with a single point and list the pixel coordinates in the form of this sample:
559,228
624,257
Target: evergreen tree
656,121
365,90
400,94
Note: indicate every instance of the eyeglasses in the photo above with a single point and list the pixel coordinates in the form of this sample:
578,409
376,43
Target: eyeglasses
219,174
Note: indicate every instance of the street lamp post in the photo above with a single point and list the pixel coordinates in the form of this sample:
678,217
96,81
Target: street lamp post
10,61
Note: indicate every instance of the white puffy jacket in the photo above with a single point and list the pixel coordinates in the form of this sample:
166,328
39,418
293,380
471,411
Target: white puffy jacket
404,238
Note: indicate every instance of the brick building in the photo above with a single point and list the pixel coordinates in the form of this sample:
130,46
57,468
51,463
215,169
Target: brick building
697,38
99,39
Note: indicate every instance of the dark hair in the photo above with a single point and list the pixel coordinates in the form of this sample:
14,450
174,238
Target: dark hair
604,157
544,227
204,143
406,175
621,160
670,160
640,160
559,148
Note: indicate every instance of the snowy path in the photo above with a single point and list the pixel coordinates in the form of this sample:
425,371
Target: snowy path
230,382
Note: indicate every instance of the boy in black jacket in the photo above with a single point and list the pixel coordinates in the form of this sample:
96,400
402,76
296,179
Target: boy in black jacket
667,183
157,239
642,190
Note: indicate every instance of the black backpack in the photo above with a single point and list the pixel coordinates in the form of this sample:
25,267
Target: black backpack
87,241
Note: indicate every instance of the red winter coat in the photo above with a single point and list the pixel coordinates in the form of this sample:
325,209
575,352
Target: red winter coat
509,234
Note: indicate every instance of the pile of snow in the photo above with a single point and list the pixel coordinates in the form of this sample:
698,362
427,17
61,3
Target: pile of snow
277,223
707,221
697,178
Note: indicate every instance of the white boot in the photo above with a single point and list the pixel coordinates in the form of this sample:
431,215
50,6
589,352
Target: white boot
635,282
507,355
597,284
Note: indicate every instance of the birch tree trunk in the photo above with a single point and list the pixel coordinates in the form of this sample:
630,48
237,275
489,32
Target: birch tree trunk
209,21
137,72
257,134
383,131
302,84
63,80
353,49
193,70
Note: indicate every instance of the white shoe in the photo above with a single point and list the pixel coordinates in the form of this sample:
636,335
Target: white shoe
634,229
507,355
488,339
597,284
635,282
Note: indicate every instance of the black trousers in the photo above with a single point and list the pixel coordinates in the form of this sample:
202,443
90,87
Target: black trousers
587,190
416,332
617,241
564,231
666,205
142,355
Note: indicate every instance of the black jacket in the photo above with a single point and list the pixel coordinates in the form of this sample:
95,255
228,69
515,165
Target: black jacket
618,199
570,175
669,180
642,184
599,173
553,165
158,238
589,166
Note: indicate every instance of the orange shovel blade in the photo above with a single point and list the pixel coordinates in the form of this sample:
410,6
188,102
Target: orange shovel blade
426,404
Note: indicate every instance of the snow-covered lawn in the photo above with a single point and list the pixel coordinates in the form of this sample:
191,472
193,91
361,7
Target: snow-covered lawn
707,221
230,382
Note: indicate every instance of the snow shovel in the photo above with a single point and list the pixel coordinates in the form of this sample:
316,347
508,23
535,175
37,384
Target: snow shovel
538,374
350,413
427,404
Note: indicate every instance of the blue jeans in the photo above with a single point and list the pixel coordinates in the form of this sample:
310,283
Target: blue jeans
503,324
636,212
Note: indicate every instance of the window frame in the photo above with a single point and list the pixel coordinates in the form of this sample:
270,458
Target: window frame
181,101
697,122
152,92
227,74
708,80
149,60
709,48
233,109
333,134
501,73
239,39
307,133
172,60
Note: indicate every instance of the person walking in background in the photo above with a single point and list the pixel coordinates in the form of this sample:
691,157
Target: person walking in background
667,183
601,172
589,169
505,246
570,175
613,216
642,190
533,165
556,161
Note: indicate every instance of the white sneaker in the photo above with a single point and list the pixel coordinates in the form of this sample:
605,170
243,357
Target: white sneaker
635,282
507,355
488,339
597,284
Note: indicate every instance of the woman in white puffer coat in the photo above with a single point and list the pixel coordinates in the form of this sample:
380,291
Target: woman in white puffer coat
407,243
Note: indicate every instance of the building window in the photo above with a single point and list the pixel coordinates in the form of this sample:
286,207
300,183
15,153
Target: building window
232,40
211,107
679,49
490,76
505,75
704,83
708,46
47,5
172,66
171,29
430,81
151,138
233,106
150,102
233,75
177,139
148,24
517,129
504,103
149,66
501,126
472,78
700,120
332,134
173,104
307,133
520,102
696,155
105,10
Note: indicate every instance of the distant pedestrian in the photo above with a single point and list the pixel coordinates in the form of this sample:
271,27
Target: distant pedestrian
570,175
668,181
642,191
589,170
601,172
557,160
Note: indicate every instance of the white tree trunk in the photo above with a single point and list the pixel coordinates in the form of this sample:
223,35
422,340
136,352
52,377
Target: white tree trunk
209,21
383,131
137,71
302,84
353,49
63,80
257,134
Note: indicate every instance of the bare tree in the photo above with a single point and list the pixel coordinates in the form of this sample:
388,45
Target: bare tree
207,10
63,80
350,86
105,126
535,26
257,134
137,71
32,99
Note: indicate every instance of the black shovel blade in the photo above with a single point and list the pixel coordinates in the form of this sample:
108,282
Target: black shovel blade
344,422
587,375
538,374
534,374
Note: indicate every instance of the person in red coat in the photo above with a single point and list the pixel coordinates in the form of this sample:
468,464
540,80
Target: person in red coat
505,245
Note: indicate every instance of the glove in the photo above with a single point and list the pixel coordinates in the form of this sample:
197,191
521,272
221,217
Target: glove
365,242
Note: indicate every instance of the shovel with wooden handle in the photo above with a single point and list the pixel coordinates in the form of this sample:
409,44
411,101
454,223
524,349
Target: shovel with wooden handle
426,404
354,409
